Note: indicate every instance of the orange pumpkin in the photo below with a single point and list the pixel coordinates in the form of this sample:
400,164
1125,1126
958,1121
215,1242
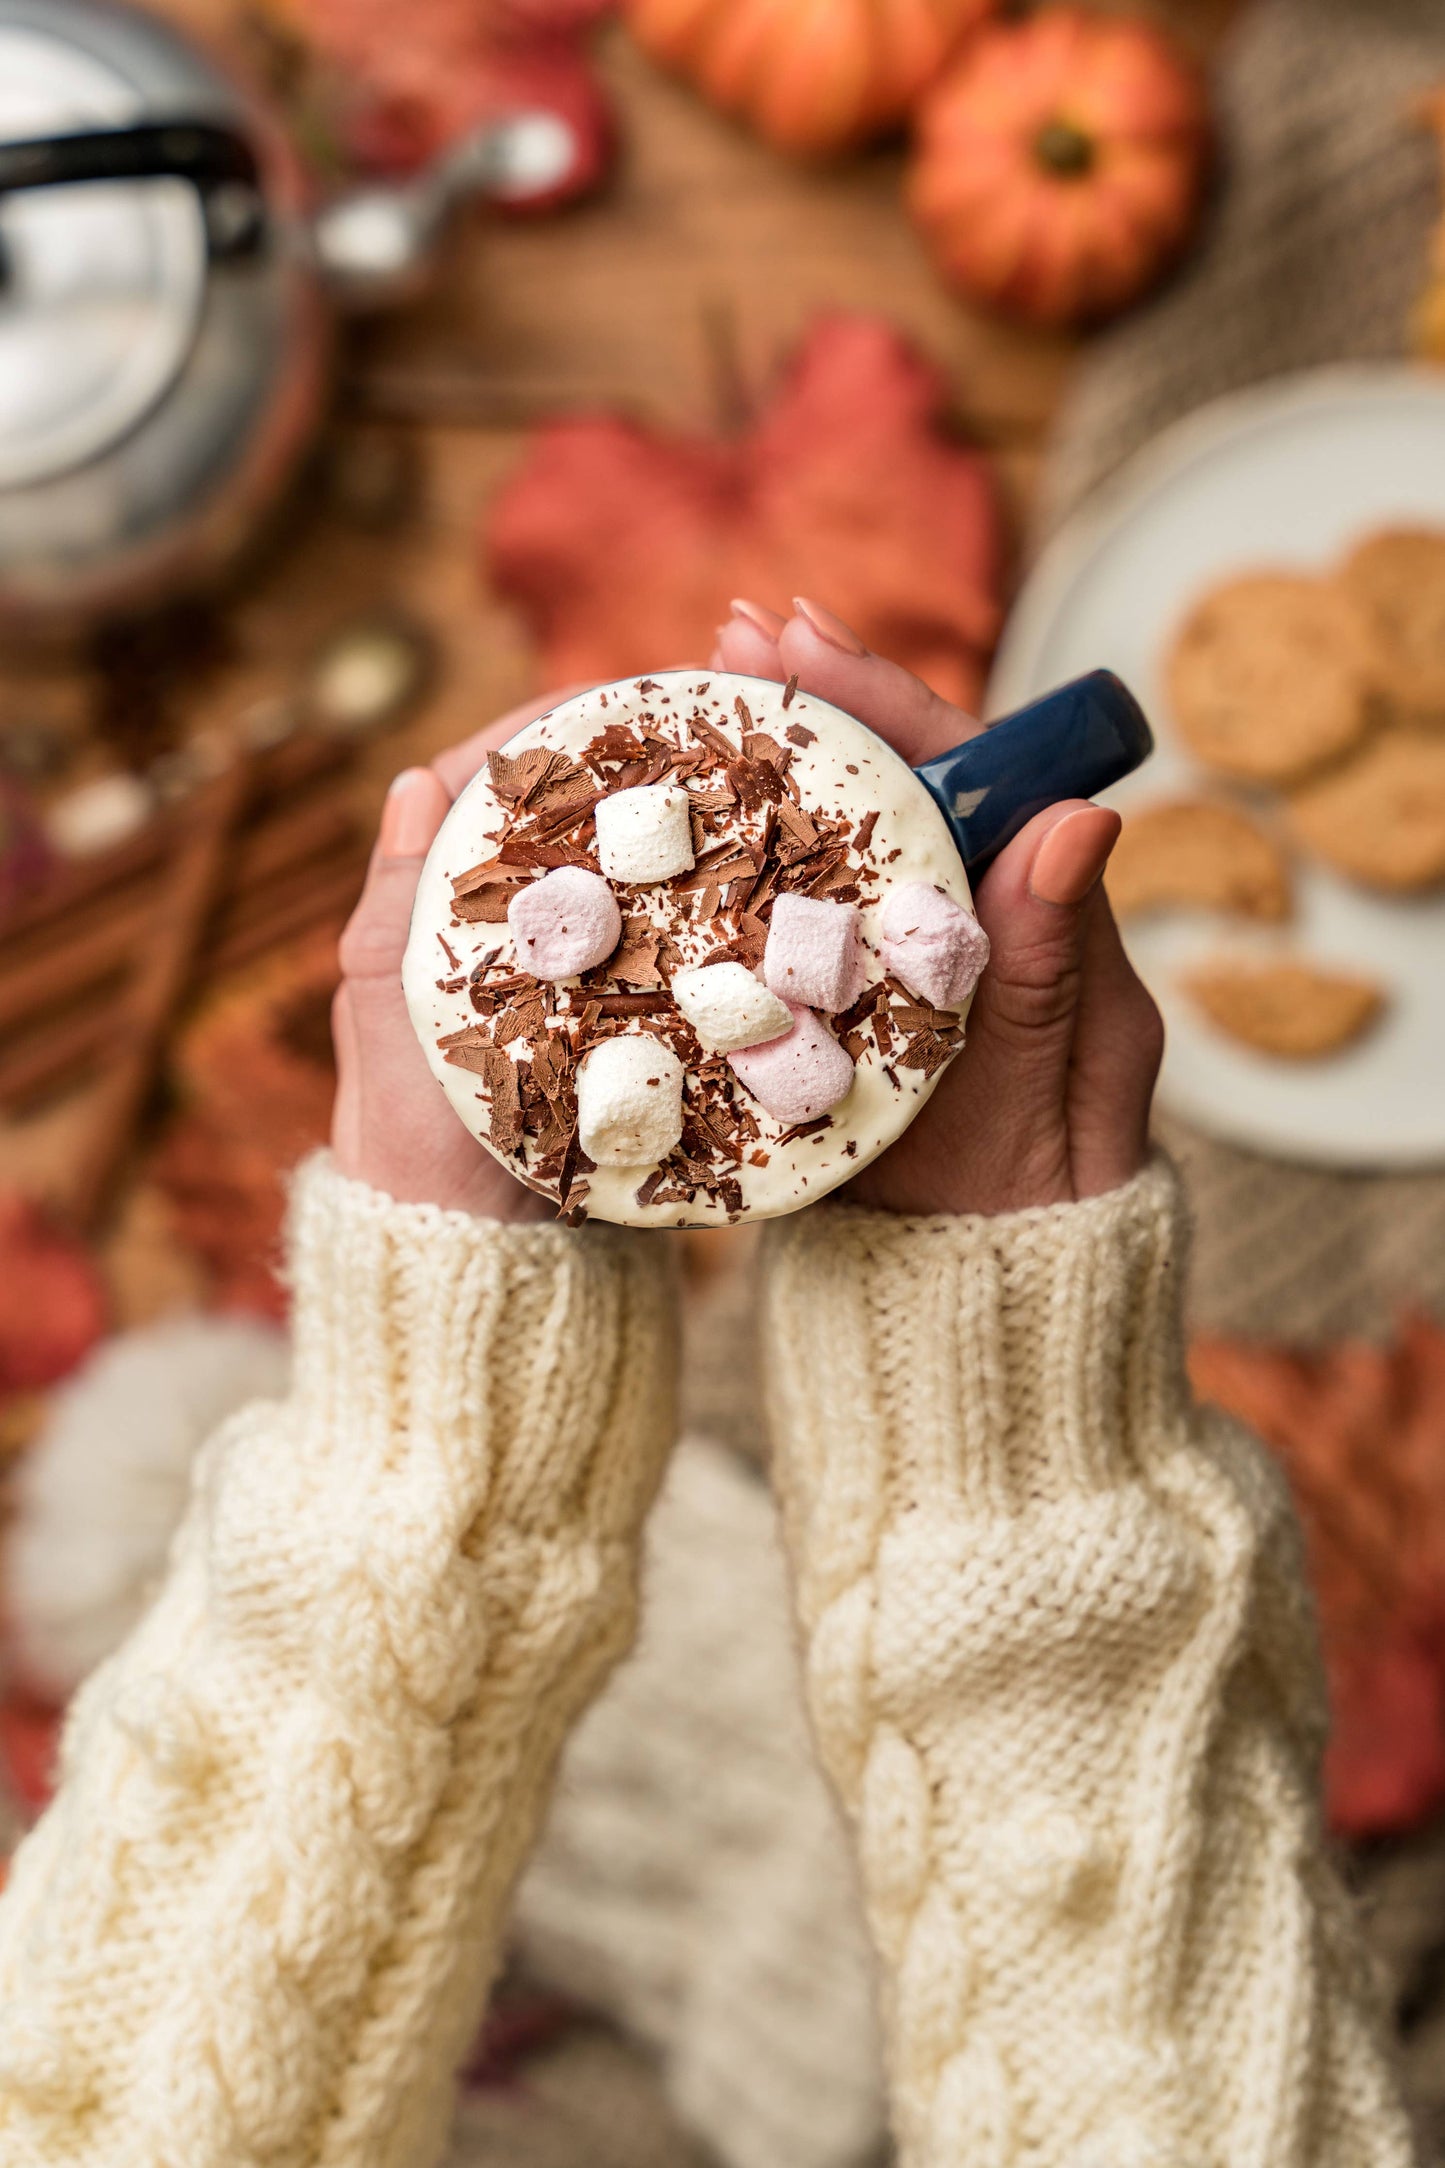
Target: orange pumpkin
1059,167
808,75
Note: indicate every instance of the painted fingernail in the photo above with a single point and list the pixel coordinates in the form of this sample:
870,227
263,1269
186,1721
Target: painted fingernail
763,620
828,627
1073,854
407,825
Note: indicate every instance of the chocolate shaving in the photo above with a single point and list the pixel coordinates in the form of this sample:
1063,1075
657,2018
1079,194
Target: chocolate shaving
650,1185
789,694
632,1004
488,907
449,952
475,877
757,745
514,775
503,1089
635,958
864,834
698,723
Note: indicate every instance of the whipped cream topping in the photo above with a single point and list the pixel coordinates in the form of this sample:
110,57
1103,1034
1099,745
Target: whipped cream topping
786,796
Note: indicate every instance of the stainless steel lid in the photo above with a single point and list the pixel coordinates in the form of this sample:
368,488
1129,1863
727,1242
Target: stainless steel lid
101,285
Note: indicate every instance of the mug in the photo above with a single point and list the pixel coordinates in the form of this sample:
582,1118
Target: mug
697,947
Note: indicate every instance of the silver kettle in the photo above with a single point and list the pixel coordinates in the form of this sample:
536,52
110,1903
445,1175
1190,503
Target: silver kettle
167,292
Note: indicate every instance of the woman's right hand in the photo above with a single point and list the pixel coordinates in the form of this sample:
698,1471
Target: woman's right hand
391,1125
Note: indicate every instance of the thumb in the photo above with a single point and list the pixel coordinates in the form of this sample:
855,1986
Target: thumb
1021,1026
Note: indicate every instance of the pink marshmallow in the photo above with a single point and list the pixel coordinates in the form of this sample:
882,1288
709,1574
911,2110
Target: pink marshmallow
800,1076
932,944
814,956
564,923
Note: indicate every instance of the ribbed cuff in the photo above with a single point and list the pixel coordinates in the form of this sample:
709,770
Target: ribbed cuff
409,1316
1009,1358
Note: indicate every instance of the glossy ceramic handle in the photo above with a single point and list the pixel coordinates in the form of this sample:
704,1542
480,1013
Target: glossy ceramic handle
1074,742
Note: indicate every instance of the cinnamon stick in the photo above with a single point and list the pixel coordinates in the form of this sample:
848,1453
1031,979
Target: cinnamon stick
102,942
276,775
70,1050
182,908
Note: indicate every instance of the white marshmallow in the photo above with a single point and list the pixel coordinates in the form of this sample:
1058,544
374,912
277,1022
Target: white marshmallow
727,1007
645,834
629,1101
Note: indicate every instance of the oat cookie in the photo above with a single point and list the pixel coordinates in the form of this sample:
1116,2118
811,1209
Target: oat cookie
1295,1010
1381,817
1271,676
1398,575
1195,851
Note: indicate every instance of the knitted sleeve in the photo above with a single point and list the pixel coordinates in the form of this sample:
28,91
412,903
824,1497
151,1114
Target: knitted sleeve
1061,1668
258,1922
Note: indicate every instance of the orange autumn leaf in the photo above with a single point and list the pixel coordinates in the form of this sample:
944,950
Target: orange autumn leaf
254,1076
623,545
1360,1432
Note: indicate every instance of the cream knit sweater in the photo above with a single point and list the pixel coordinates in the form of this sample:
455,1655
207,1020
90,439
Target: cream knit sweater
258,1922
1062,1672
1058,1659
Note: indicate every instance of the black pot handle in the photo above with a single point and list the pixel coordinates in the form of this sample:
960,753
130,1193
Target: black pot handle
217,160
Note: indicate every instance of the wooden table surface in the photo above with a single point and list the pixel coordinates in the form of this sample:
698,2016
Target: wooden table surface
696,269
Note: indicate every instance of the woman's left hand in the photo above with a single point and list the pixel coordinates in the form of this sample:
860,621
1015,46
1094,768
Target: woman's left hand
1049,1100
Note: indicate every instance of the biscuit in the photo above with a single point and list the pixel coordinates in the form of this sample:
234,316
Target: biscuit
1294,1010
1398,576
1380,819
1271,676
1194,851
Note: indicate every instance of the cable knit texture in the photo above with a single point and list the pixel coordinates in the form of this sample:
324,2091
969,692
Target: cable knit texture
259,1920
1063,1675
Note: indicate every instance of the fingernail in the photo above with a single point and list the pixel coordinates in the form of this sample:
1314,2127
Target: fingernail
715,660
828,627
1073,854
406,818
765,621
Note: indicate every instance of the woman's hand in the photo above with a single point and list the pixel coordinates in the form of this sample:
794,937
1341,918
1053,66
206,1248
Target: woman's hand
1050,1100
390,1125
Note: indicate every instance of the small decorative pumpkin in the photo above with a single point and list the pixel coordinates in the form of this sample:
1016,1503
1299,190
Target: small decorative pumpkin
810,76
1059,166
1427,322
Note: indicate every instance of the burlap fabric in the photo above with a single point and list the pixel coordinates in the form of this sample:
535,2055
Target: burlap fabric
1316,247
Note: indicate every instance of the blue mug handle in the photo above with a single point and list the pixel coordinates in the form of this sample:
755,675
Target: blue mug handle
1072,743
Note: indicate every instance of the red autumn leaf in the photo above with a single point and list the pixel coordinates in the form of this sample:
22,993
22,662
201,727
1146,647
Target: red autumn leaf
1360,1432
622,545
53,1302
397,100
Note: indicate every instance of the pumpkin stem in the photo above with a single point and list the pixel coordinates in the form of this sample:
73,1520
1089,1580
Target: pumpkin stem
1064,150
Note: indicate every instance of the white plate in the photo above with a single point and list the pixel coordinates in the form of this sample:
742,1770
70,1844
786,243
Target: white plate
1288,474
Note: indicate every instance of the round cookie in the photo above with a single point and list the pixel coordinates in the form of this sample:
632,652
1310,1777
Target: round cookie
1380,818
1291,1009
1194,852
1270,677
1398,576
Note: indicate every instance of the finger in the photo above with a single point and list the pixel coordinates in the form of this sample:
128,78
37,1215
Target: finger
748,642
374,941
459,763
1031,905
346,1107
1118,1046
829,659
